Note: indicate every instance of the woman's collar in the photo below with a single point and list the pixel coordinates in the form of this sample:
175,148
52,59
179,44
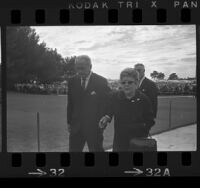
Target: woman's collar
123,96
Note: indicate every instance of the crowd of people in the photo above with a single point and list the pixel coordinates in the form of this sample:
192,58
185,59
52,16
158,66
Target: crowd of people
164,88
45,89
168,87
177,89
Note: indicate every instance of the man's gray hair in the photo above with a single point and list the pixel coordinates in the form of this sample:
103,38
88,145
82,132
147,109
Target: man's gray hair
85,57
139,64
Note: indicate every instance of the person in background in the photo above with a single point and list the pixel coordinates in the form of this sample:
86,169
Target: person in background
148,87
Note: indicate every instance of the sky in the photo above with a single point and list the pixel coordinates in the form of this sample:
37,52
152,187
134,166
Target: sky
167,49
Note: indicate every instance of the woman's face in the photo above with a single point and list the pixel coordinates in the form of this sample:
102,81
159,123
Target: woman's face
128,84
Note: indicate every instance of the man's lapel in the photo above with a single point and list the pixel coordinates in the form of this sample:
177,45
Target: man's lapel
143,83
143,86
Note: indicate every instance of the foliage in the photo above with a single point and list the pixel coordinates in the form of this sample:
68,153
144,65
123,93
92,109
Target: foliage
157,75
173,76
30,60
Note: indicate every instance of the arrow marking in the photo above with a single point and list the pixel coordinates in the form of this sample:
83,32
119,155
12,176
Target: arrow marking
39,173
135,172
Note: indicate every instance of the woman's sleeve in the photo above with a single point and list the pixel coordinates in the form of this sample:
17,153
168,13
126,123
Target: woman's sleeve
111,104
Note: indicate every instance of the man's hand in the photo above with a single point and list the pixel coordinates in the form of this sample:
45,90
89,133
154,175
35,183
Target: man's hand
68,127
104,121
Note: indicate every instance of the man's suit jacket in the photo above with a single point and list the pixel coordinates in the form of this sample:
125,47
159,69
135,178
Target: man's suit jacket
86,107
149,88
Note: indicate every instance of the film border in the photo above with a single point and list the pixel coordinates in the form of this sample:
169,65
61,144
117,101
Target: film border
15,13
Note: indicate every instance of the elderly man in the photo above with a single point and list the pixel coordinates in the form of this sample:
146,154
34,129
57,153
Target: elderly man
148,87
87,99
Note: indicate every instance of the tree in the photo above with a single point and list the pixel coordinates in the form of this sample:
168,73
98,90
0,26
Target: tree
27,59
69,67
173,76
160,76
154,74
21,57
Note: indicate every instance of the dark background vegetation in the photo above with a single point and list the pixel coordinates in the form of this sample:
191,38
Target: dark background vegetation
28,60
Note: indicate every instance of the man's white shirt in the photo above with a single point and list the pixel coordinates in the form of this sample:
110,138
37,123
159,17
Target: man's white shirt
86,80
140,83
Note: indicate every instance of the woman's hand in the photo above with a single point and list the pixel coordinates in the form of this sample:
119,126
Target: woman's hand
104,121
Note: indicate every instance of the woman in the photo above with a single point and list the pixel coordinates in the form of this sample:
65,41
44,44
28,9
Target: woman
131,110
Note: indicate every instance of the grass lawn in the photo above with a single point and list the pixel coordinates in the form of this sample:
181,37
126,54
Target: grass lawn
22,121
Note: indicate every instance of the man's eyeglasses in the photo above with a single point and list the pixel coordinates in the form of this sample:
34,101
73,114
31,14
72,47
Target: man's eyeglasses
128,82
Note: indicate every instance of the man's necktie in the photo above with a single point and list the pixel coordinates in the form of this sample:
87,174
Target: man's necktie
83,83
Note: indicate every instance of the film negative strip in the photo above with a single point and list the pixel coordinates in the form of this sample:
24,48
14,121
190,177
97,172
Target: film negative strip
99,88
